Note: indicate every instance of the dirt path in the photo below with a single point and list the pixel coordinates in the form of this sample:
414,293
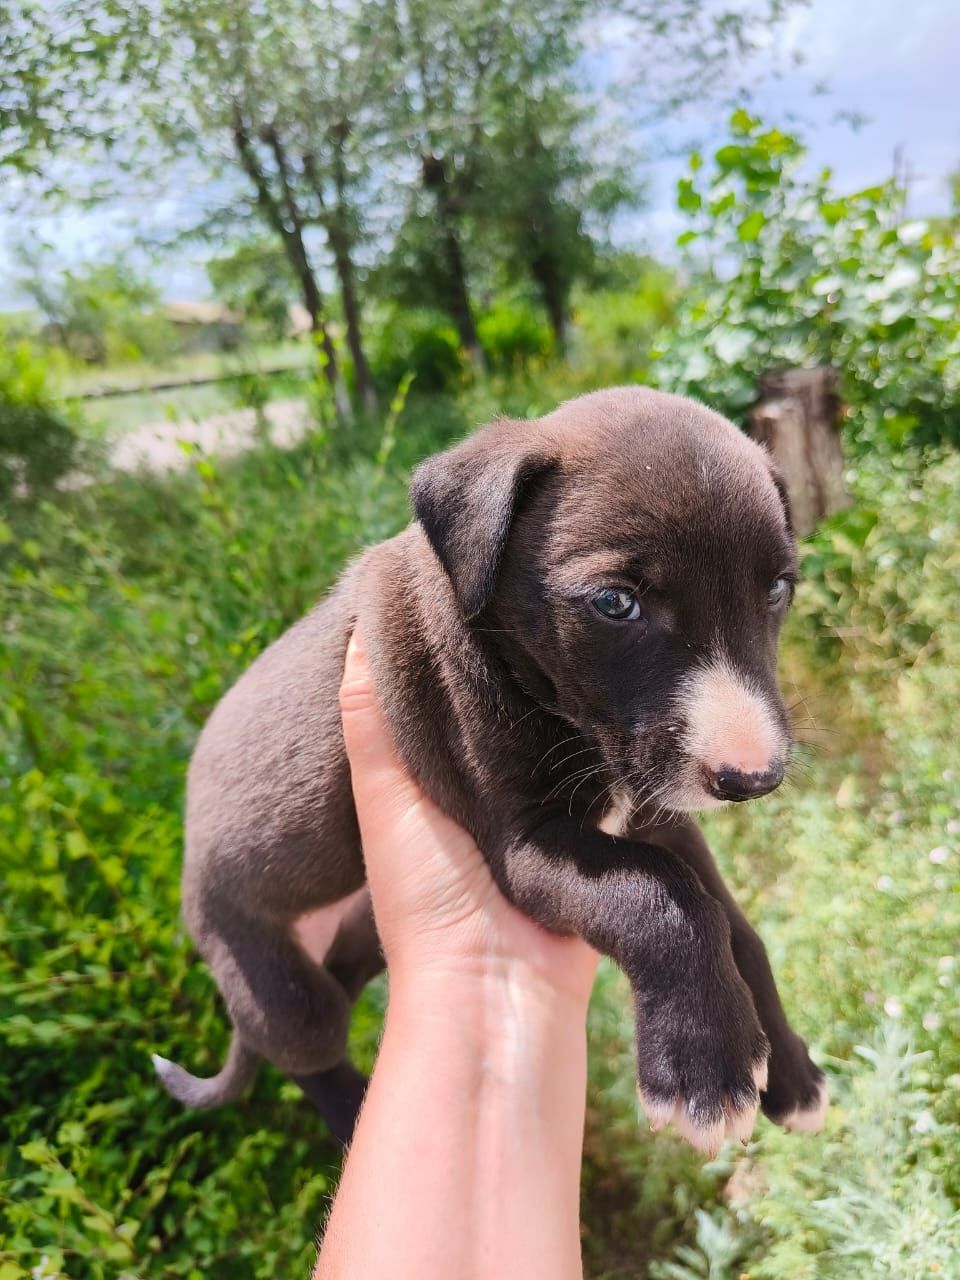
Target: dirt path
156,446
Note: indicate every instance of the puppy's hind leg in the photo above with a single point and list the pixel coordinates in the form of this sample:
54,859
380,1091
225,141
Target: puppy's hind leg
354,958
284,1008
338,1095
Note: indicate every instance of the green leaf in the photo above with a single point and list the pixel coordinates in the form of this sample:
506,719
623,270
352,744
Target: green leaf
750,228
688,198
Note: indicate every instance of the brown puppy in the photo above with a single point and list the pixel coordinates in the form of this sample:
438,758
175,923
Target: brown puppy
575,644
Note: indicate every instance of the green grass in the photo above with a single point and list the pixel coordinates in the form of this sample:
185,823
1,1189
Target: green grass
128,608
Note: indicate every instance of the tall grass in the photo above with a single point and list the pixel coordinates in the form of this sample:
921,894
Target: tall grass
129,606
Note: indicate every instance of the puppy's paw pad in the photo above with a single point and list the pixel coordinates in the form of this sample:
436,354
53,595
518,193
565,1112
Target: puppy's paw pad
808,1119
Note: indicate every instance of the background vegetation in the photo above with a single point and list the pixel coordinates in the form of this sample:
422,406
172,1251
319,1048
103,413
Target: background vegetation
129,603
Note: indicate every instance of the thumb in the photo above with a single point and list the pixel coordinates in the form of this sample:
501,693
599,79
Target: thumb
382,787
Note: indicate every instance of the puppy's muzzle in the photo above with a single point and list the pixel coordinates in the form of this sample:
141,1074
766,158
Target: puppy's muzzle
733,784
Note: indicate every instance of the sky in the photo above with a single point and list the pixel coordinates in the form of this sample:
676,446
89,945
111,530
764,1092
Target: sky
893,62
902,77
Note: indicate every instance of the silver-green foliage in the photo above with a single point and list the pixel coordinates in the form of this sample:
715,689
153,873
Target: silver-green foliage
784,271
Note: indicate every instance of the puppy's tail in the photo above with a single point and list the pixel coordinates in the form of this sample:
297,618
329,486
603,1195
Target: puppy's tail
210,1091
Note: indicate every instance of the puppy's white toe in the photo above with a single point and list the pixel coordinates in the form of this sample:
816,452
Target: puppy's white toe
705,1138
740,1124
658,1111
761,1074
809,1119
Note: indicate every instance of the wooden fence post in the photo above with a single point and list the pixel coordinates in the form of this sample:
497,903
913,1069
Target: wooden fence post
797,417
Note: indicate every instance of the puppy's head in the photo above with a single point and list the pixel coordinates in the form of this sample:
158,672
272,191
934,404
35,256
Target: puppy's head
632,555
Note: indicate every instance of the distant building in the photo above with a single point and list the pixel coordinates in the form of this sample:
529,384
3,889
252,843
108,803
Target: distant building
205,326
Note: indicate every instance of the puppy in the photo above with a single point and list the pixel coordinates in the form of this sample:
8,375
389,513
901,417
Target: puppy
575,646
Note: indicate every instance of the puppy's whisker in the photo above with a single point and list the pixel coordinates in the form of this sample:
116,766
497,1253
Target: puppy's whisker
564,742
573,755
581,774
598,769
601,796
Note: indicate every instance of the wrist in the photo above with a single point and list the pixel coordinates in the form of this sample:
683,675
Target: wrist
504,1016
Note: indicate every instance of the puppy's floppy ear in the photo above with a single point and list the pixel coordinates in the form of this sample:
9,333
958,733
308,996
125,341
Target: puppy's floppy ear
466,499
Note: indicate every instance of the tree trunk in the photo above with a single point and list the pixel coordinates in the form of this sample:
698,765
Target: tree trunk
338,233
548,278
797,418
435,180
290,231
351,315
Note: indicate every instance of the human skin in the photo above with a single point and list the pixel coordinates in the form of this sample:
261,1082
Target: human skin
466,1158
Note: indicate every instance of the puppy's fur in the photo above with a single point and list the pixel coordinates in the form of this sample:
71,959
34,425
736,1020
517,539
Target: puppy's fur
570,745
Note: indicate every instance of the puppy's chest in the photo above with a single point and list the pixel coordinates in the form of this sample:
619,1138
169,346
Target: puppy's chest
616,816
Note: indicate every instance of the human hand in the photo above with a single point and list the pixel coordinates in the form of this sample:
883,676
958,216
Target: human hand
437,907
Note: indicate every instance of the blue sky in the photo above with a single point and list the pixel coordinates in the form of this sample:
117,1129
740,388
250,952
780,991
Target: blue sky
893,61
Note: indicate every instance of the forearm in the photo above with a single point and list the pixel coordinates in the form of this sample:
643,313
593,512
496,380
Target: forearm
466,1159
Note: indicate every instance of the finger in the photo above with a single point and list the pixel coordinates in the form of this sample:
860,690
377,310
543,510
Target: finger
381,784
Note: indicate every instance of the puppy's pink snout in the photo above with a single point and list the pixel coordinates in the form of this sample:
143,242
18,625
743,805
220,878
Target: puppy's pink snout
727,783
735,734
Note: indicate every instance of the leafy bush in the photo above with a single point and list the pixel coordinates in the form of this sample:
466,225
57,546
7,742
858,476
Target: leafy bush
786,272
614,329
38,442
423,343
513,336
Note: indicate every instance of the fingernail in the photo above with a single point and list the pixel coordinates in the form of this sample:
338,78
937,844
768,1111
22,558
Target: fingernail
355,646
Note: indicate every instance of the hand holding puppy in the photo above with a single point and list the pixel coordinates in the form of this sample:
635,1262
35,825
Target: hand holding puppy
466,1157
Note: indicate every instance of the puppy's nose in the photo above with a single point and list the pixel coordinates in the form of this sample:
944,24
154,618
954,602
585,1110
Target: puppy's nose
733,784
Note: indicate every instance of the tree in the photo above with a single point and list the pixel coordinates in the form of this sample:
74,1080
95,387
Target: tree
548,197
254,278
100,312
319,117
494,104
267,83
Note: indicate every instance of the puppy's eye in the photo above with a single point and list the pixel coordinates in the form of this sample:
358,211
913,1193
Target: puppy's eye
617,604
780,593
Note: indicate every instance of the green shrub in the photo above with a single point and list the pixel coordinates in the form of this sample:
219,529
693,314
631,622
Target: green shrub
254,278
38,441
615,327
100,313
513,336
786,272
423,343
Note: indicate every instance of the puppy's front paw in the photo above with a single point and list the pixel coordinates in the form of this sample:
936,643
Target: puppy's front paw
702,1066
796,1095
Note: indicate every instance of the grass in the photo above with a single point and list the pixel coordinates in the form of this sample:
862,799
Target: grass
130,606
